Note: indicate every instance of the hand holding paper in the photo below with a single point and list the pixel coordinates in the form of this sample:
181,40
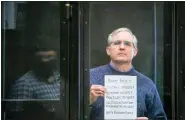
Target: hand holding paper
96,91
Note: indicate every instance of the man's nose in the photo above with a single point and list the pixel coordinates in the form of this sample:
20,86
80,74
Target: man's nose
122,46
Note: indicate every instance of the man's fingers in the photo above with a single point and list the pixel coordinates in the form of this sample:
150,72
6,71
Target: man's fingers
97,93
142,118
98,88
97,85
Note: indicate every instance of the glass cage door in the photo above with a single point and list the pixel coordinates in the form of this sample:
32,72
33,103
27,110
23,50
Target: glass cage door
153,24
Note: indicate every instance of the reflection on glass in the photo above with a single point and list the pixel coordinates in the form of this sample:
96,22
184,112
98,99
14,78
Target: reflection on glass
33,87
42,82
38,25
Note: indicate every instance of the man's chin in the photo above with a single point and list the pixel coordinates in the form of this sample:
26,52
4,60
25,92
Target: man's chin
121,61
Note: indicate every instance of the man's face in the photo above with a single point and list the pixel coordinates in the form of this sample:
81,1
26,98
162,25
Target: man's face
45,62
121,49
46,56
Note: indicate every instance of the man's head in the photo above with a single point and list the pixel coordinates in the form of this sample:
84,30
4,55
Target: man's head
45,62
46,56
122,46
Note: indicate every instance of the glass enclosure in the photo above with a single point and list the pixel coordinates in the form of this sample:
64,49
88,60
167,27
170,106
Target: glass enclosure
48,49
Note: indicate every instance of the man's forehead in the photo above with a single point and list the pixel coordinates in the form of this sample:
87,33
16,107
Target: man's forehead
123,35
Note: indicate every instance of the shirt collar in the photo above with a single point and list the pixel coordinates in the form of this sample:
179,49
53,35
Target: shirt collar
114,67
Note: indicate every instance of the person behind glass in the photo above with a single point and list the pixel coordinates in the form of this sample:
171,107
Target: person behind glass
43,81
122,48
41,89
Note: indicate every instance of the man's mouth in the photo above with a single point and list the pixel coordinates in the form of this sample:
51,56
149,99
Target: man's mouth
122,54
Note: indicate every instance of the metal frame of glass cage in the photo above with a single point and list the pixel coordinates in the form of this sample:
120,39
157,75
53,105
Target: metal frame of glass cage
170,58
171,71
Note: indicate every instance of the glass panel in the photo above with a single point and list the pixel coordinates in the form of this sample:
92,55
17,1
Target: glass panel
158,47
181,59
145,20
32,85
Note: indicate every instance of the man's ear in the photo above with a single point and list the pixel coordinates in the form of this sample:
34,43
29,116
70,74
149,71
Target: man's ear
135,51
108,50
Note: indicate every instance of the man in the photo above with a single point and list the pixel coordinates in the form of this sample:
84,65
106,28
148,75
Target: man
42,82
122,48
40,93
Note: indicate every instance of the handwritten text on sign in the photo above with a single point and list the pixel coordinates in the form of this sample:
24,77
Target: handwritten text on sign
121,97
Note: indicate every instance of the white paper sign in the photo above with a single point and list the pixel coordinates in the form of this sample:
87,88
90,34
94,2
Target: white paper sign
121,97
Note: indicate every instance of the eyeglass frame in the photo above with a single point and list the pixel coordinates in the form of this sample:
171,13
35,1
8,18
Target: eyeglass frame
123,42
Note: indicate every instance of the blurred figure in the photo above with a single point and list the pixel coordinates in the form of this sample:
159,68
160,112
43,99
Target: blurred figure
39,93
42,38
42,82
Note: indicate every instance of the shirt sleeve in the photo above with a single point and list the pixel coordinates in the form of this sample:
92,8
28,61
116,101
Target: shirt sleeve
94,81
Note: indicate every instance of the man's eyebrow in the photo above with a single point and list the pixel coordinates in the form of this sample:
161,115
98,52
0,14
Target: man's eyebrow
123,40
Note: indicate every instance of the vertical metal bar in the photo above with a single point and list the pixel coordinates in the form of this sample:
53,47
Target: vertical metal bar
86,59
173,85
80,59
4,48
4,115
176,89
65,43
73,56
155,44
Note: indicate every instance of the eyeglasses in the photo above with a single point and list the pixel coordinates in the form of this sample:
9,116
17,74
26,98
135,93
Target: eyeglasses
119,42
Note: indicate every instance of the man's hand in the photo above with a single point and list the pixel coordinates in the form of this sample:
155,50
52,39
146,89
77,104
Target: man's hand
142,118
96,91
